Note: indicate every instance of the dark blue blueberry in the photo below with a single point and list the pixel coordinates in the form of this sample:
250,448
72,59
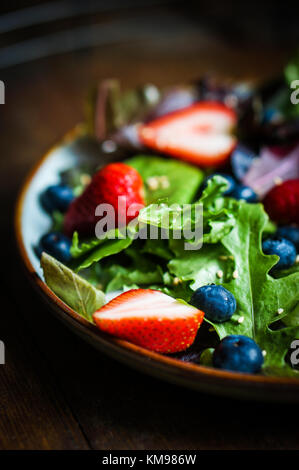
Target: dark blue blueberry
229,179
216,302
282,247
244,192
238,353
57,197
57,245
241,160
290,233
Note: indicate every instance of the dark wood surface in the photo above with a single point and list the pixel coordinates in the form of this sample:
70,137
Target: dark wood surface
56,392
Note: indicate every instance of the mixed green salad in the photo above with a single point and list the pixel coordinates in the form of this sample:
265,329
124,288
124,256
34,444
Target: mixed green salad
233,152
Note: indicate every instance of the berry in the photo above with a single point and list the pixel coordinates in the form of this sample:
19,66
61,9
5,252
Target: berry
57,197
282,202
230,180
150,319
106,187
290,233
241,160
200,133
238,353
244,192
57,245
217,302
283,248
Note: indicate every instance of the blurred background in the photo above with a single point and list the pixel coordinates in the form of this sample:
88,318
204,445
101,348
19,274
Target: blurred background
51,52
33,29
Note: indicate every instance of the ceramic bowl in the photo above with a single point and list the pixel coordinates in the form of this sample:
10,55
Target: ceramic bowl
31,222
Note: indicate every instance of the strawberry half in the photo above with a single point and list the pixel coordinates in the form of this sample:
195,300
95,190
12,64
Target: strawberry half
200,134
107,185
282,202
150,319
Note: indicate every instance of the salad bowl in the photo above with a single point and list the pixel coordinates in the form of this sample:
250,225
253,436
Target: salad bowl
31,222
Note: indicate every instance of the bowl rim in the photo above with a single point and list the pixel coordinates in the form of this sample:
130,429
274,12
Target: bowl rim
127,349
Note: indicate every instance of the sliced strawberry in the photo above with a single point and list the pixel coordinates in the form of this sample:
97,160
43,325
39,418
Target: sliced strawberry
200,134
282,202
150,319
107,185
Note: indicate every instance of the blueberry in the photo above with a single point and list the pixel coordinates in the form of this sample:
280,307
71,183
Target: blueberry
238,353
217,302
282,247
57,197
229,179
241,160
57,245
290,233
244,192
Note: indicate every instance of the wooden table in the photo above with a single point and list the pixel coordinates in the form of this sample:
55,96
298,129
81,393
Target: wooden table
56,392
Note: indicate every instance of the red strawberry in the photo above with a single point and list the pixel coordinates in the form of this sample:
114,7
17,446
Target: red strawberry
200,134
112,181
150,319
282,202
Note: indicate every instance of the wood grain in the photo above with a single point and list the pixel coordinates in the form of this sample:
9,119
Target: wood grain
33,412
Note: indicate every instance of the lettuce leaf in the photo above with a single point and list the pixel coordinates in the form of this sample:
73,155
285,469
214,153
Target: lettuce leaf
200,267
217,215
245,273
182,180
75,291
96,252
157,248
145,276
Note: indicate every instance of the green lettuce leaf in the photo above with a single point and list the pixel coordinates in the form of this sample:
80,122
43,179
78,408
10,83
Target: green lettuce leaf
94,249
78,249
217,214
179,183
75,291
157,248
200,267
108,248
244,271
127,276
137,268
